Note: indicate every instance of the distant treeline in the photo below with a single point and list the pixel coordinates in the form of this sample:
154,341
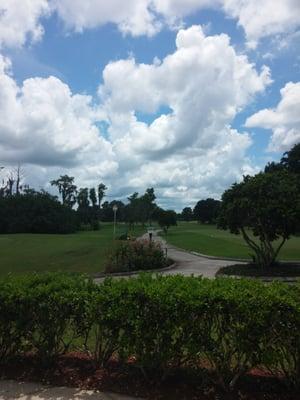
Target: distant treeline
259,203
24,210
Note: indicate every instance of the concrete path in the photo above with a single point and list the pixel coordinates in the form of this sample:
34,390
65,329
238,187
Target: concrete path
12,390
188,263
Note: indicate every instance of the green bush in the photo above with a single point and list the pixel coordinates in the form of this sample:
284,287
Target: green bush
139,255
43,313
228,325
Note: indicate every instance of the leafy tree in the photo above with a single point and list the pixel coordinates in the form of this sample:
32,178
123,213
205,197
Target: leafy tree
93,197
141,208
101,193
147,205
265,209
166,218
84,212
291,159
83,198
187,214
107,211
206,211
35,212
67,189
273,167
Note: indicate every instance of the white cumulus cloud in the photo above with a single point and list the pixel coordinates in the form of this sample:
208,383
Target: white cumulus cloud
187,149
284,120
202,85
20,21
42,123
139,17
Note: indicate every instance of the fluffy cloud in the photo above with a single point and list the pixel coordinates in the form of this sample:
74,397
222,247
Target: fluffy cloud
264,18
202,85
284,120
20,21
188,149
132,16
139,17
42,123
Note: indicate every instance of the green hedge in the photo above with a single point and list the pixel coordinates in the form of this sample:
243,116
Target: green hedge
228,326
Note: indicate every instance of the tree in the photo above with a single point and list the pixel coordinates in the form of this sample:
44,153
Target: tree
93,197
141,208
187,214
13,182
83,198
166,218
35,212
146,205
206,211
101,193
291,159
107,211
67,189
263,208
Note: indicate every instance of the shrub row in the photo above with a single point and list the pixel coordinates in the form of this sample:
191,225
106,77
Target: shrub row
228,326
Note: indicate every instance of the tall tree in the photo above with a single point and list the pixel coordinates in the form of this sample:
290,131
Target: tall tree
147,205
166,218
84,212
93,197
83,198
67,189
101,193
265,209
291,159
206,211
187,214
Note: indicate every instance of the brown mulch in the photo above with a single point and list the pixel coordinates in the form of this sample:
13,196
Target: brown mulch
78,370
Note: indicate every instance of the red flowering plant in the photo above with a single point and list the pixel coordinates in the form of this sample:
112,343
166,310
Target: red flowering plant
139,255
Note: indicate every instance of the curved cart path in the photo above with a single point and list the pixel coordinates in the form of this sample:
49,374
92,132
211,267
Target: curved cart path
188,263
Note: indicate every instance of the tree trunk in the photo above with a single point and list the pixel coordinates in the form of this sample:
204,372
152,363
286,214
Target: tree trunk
265,255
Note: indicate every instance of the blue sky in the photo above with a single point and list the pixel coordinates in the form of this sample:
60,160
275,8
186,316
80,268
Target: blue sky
105,94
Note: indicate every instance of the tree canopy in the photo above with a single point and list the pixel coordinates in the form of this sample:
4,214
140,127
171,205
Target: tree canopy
35,212
187,214
264,208
206,211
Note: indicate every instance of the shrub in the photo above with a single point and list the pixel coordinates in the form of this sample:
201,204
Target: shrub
136,255
43,313
228,325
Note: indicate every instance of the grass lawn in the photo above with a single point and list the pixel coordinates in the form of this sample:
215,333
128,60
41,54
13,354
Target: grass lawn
79,252
207,239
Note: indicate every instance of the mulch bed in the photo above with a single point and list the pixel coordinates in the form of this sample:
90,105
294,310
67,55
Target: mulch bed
252,270
78,370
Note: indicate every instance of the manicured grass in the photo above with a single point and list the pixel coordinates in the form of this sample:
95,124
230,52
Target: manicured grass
207,239
80,252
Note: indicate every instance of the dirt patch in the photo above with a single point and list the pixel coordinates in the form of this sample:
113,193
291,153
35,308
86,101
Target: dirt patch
78,370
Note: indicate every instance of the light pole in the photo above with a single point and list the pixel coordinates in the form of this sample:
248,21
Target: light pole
115,209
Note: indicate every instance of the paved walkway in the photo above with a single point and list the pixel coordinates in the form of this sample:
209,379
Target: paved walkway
188,263
12,390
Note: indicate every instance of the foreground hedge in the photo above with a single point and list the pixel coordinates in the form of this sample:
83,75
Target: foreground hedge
228,326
